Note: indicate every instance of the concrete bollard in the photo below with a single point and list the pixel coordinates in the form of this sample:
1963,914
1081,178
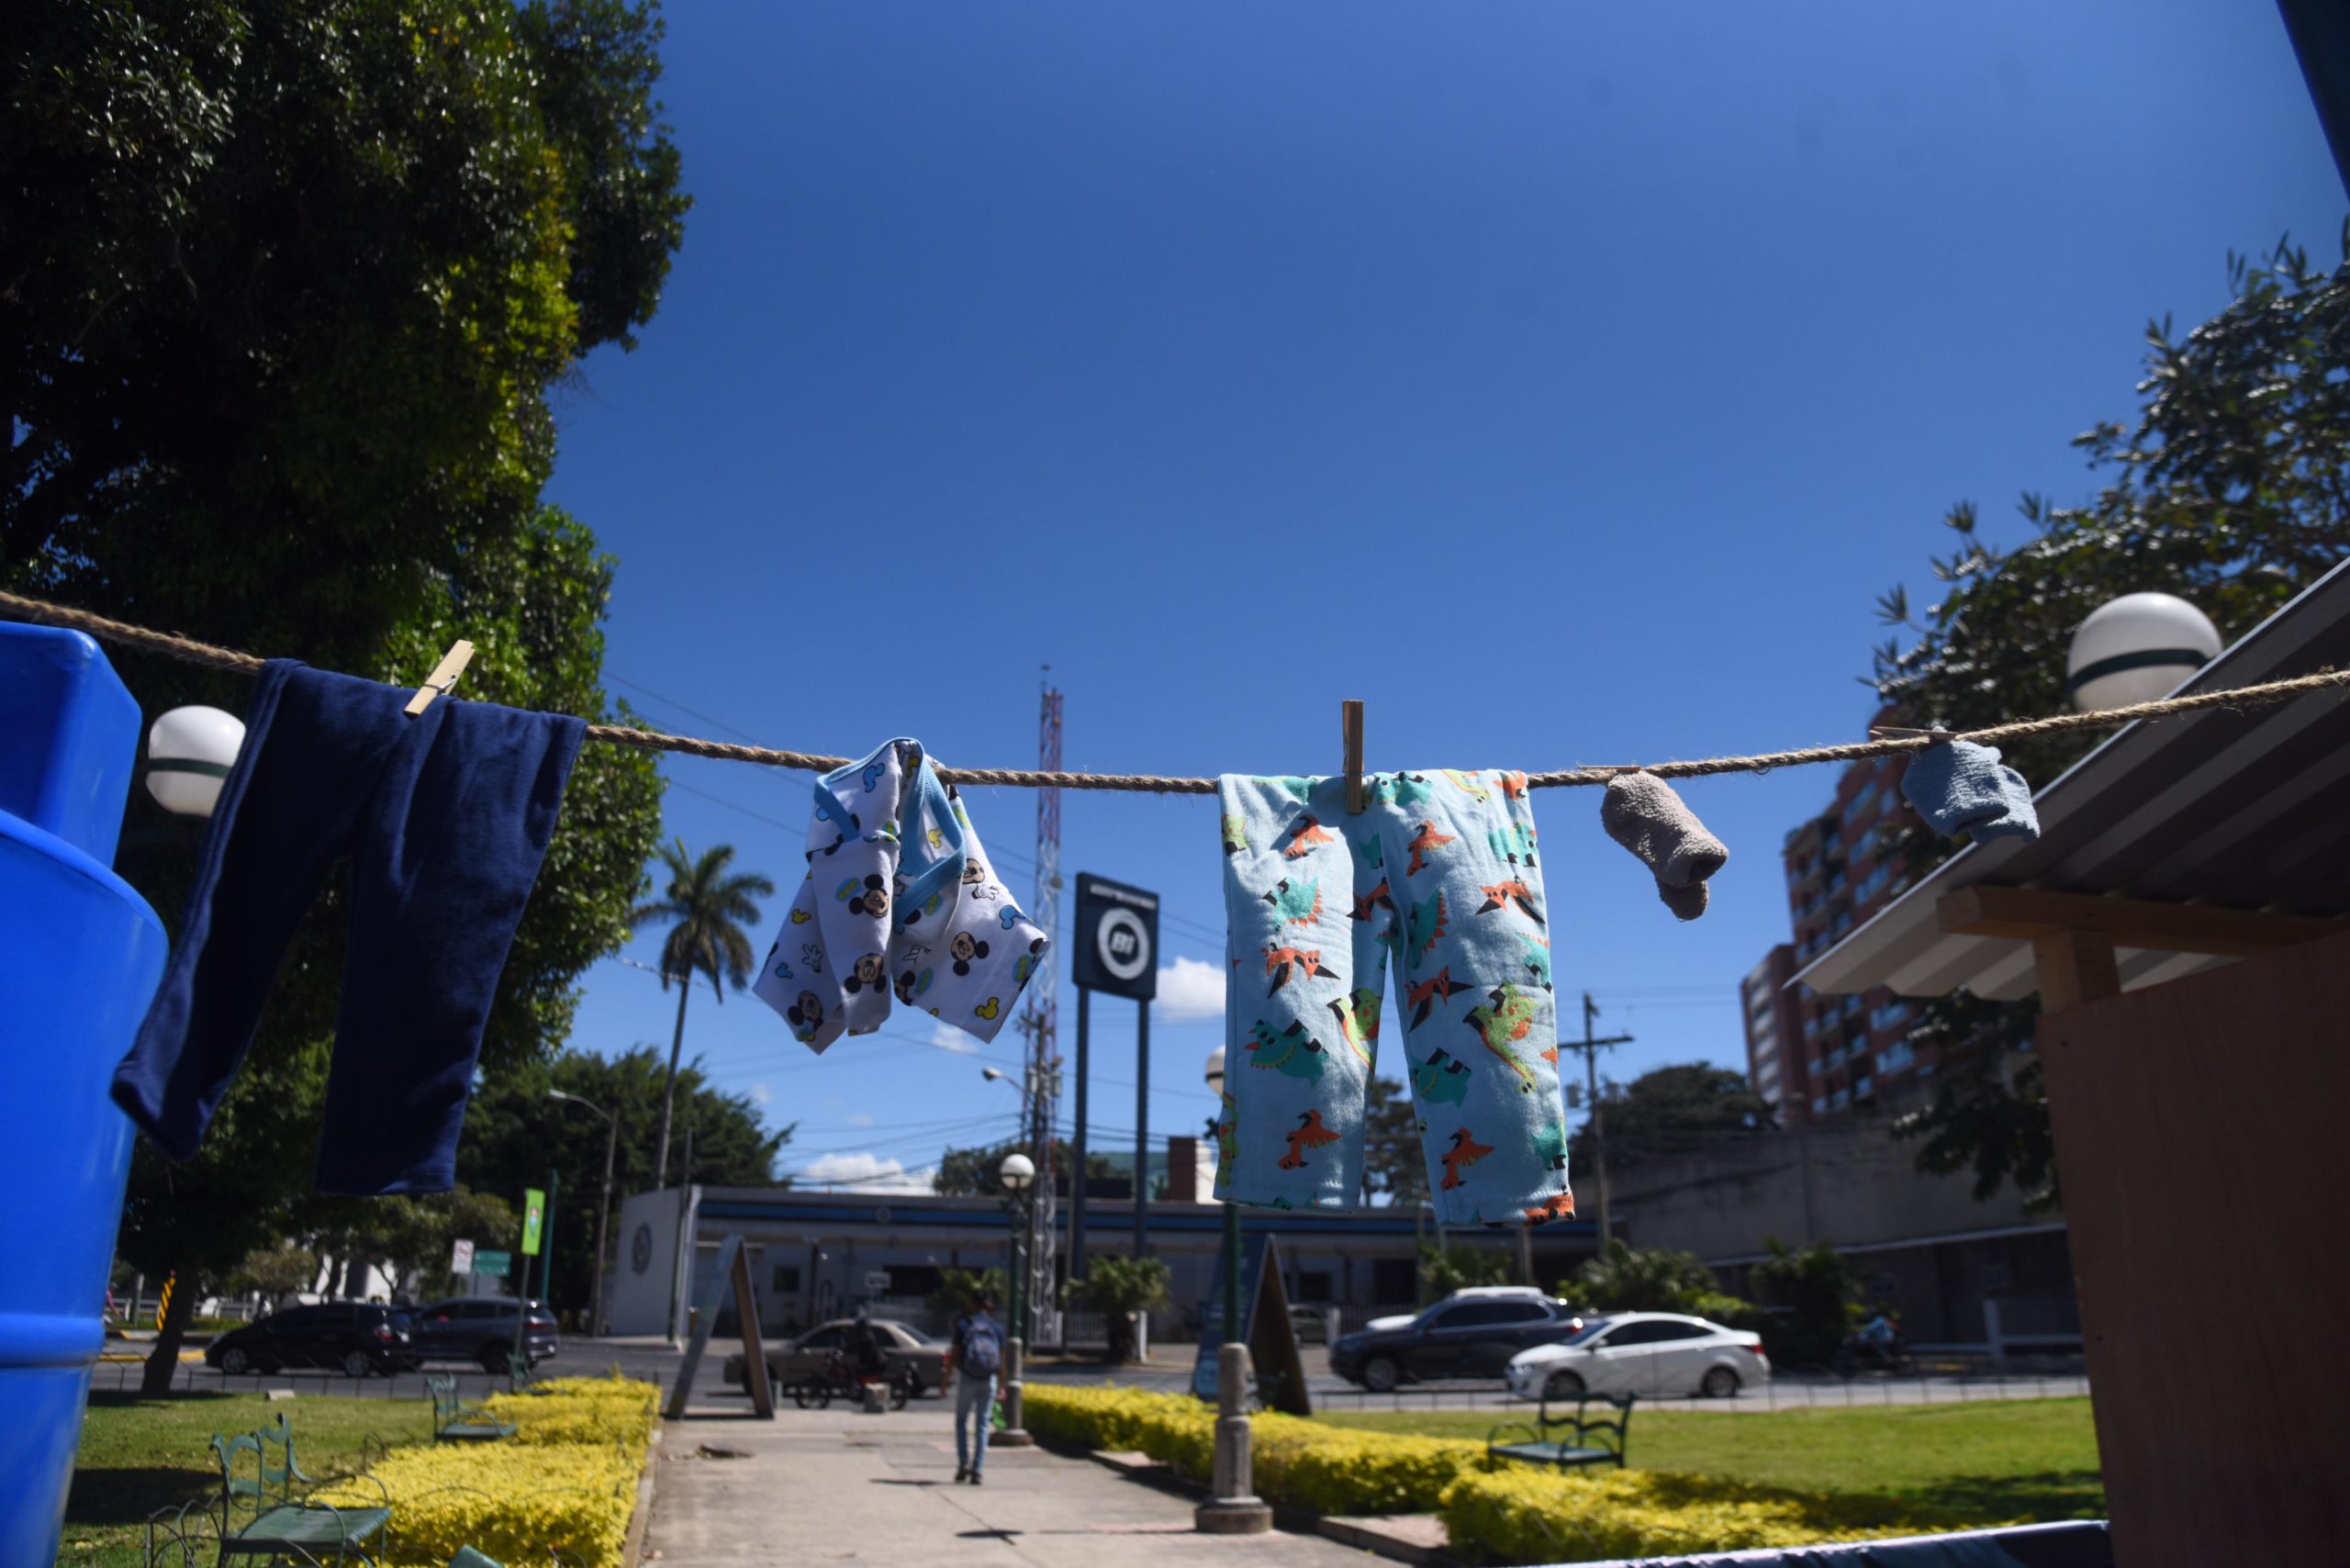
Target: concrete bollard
1234,1508
1015,1433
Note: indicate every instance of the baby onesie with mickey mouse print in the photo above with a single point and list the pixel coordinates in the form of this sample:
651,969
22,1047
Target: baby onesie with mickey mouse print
900,899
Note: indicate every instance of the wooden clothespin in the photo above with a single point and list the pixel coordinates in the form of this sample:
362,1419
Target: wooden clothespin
1350,727
1934,736
444,676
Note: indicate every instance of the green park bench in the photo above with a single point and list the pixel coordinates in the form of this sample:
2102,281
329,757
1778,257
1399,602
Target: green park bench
456,1422
266,1515
1569,1441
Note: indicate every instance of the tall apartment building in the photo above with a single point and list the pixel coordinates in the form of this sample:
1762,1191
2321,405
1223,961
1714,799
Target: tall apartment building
1814,1057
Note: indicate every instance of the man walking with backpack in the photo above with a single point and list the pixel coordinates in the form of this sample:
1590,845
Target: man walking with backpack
974,1357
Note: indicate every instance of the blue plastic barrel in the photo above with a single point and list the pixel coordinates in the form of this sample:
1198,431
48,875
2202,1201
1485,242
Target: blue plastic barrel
80,956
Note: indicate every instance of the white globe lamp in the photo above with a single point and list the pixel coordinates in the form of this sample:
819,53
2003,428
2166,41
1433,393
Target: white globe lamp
1215,1070
1016,1172
189,753
2137,649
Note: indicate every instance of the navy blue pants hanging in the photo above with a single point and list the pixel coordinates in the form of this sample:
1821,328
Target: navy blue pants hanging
445,818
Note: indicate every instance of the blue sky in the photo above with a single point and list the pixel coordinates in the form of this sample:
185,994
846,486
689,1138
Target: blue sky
1564,381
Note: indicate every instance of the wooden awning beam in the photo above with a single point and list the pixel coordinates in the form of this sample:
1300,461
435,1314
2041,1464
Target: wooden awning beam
2029,914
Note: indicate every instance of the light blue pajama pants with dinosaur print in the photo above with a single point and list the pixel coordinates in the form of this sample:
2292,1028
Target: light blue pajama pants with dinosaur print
1438,871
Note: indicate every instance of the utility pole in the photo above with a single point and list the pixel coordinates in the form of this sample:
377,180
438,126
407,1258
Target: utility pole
1043,1025
682,1262
1591,1047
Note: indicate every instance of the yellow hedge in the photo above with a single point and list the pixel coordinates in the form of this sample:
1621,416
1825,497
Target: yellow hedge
1518,1514
1513,1513
565,1481
1328,1469
579,1409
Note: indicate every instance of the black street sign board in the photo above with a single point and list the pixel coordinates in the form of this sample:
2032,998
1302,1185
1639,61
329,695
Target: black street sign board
1115,939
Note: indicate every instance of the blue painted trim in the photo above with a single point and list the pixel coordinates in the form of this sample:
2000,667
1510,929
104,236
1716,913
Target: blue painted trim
1286,1222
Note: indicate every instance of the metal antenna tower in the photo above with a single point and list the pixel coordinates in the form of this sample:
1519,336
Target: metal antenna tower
1039,1023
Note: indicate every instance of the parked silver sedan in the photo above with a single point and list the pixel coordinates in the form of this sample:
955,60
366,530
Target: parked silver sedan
1653,1354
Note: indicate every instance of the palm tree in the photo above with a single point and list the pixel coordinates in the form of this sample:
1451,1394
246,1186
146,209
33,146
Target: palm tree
711,906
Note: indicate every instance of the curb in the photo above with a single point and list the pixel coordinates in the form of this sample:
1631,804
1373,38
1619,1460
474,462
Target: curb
633,1544
1399,1538
1417,1539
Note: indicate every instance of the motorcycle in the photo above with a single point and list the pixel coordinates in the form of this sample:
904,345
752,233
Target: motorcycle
1859,1352
840,1378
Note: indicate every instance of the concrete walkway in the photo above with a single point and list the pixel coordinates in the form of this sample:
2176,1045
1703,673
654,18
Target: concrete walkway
837,1486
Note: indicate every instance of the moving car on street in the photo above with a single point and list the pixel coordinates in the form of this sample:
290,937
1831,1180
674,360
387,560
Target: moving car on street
354,1338
901,1345
1471,1333
1653,1354
481,1329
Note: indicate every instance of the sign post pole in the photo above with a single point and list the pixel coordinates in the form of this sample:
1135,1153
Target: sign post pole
535,1214
1077,1154
1142,1128
1114,938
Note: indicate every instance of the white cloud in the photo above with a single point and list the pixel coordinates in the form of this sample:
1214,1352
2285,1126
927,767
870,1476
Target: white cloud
759,1095
1191,988
866,1173
947,1037
856,1119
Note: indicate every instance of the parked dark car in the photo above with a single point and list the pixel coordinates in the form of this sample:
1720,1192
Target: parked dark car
481,1329
901,1345
1470,1334
349,1337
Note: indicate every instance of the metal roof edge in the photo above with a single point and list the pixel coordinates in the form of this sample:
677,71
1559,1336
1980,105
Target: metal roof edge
1832,971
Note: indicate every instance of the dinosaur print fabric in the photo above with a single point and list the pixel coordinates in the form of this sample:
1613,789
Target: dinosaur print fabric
900,902
1440,874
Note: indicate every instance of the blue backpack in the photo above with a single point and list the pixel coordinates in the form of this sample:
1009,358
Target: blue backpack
982,1348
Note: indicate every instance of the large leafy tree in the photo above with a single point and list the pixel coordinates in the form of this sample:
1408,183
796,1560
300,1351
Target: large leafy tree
516,1133
2231,488
284,284
283,287
1682,1109
710,905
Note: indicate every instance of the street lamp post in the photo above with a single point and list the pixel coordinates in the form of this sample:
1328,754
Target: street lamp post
1038,1261
1017,1173
1233,1507
604,1210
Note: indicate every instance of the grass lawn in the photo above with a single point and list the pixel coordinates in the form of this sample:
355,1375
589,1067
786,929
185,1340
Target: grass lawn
138,1455
1986,1461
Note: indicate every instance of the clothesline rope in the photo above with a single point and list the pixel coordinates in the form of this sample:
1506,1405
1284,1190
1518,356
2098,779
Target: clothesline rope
2268,693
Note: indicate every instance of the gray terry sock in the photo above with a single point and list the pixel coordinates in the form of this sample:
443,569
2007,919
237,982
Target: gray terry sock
1643,814
1687,902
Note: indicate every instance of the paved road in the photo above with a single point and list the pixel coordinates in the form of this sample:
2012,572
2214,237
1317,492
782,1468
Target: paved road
654,1361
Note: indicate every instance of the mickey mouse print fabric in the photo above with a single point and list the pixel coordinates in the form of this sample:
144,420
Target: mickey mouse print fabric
1441,872
899,901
